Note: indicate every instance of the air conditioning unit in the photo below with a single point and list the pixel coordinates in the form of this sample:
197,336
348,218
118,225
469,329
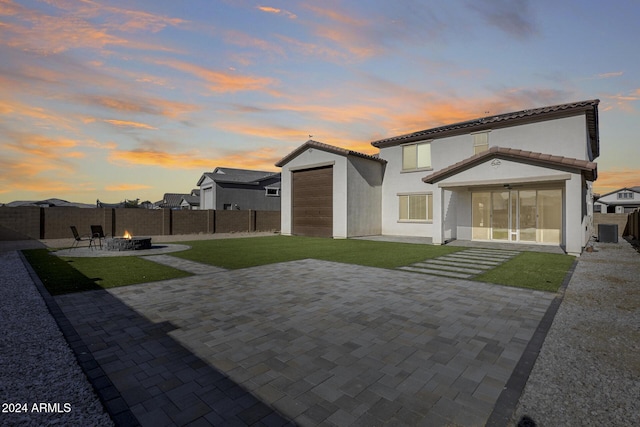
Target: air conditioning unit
608,233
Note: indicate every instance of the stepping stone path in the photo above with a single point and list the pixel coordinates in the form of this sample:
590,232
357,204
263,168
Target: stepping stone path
464,264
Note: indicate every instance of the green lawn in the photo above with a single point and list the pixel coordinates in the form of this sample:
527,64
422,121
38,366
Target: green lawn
532,270
64,275
541,271
253,251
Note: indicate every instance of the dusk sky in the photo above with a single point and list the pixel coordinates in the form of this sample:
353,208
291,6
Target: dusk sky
133,99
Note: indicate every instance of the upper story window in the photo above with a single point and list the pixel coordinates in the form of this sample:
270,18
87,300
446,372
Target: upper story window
480,142
416,156
625,195
273,192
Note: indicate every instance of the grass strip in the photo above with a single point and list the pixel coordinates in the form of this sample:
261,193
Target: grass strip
532,270
254,251
61,275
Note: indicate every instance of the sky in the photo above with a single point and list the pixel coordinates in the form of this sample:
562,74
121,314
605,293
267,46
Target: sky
132,99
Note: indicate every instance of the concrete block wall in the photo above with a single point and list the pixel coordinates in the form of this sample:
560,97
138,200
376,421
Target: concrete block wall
233,221
611,218
190,222
25,221
142,222
54,223
267,220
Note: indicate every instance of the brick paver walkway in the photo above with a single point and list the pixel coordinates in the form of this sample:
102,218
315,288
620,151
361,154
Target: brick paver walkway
309,342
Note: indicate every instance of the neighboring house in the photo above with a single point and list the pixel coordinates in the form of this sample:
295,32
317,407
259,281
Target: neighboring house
624,200
522,177
191,201
48,203
171,201
240,189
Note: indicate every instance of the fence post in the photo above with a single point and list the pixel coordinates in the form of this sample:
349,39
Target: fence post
42,230
252,220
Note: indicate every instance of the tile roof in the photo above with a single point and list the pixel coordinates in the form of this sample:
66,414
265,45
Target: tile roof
172,199
191,200
589,168
325,147
589,107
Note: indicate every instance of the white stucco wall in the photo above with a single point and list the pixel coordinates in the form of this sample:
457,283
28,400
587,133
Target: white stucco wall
566,137
310,158
207,194
489,175
398,182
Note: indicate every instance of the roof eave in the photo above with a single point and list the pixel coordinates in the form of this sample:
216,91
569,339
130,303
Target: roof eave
590,170
496,122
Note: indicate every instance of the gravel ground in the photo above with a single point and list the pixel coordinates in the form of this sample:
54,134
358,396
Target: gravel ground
36,365
588,370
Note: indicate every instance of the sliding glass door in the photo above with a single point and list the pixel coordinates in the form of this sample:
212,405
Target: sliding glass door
517,215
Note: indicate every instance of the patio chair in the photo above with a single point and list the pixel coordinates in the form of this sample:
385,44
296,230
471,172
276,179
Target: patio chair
97,233
78,238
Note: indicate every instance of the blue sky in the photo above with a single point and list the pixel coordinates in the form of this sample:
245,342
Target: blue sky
134,99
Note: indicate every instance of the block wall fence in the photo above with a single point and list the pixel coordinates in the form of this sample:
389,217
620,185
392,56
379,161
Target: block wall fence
54,223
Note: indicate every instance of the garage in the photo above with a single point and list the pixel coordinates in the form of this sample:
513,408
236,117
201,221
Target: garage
312,202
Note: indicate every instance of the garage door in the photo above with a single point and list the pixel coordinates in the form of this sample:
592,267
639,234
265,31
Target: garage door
313,202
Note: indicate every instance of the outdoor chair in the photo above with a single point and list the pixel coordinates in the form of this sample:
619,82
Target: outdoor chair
97,233
78,238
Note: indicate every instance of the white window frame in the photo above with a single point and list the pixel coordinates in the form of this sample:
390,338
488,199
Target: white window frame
480,141
405,198
625,195
269,192
418,158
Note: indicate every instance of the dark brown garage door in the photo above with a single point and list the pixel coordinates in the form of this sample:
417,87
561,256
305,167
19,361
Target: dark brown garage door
313,202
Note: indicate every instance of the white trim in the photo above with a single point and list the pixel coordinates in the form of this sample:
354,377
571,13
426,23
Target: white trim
311,166
532,180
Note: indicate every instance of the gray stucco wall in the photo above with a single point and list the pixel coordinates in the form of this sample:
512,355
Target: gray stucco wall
364,197
246,197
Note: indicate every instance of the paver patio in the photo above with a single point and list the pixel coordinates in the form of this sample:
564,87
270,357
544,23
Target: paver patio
319,342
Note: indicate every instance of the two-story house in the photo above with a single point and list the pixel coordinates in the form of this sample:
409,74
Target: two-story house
240,189
521,177
624,200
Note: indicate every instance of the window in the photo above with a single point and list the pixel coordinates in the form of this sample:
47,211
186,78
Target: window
416,156
625,195
416,207
273,192
480,142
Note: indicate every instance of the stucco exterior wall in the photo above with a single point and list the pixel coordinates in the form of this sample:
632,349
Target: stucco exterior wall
364,197
398,182
564,137
308,159
207,194
245,197
488,175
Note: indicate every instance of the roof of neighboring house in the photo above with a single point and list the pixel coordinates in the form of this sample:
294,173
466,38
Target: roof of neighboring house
589,168
238,176
634,189
589,107
191,200
170,200
325,147
47,203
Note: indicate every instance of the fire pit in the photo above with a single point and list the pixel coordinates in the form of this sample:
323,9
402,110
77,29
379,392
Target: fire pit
127,243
